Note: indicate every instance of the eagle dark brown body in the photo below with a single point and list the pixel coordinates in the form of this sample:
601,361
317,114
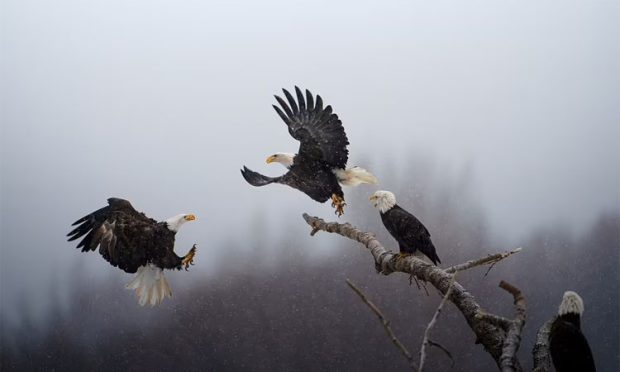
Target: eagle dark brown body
126,238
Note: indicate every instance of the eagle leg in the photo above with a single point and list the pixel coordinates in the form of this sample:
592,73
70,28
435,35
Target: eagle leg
400,255
338,203
188,259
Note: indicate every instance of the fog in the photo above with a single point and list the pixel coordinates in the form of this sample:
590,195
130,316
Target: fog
163,102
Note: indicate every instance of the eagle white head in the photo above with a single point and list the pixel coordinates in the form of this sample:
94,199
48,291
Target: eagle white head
175,223
284,158
384,200
571,304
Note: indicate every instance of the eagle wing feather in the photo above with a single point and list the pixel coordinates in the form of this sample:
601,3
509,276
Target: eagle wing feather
126,238
319,131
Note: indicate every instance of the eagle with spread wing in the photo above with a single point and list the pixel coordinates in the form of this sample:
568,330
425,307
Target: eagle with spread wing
319,168
135,243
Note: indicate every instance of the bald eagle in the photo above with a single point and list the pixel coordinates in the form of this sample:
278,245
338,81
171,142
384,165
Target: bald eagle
319,168
409,232
569,348
134,243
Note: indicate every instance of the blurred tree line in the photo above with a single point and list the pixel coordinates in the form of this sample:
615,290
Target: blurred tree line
293,311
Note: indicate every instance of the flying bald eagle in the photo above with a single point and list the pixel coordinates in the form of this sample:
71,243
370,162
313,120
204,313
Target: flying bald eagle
131,241
409,232
569,348
319,168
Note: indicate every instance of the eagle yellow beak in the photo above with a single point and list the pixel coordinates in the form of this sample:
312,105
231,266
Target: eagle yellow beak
271,159
190,217
373,197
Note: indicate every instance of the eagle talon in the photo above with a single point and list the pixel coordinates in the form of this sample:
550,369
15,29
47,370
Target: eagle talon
339,204
188,259
400,255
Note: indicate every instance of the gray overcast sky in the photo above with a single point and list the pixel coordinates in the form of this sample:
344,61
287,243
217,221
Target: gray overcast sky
162,102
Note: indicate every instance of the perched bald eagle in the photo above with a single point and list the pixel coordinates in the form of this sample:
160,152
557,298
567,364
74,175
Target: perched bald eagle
131,241
319,168
569,348
411,235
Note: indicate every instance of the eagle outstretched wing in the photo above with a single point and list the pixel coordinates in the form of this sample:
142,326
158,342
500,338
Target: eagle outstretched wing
122,234
257,179
320,186
319,131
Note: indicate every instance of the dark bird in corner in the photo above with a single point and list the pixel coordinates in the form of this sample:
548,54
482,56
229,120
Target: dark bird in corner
569,348
409,232
131,241
319,168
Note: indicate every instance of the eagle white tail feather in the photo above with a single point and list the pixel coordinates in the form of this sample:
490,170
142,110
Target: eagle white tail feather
354,176
150,285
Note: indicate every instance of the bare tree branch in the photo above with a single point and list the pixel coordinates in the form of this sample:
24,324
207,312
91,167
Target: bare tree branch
432,343
542,358
491,266
427,332
508,359
385,323
496,320
488,334
490,259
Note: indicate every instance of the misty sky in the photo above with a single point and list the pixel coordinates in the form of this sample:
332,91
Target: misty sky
162,103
